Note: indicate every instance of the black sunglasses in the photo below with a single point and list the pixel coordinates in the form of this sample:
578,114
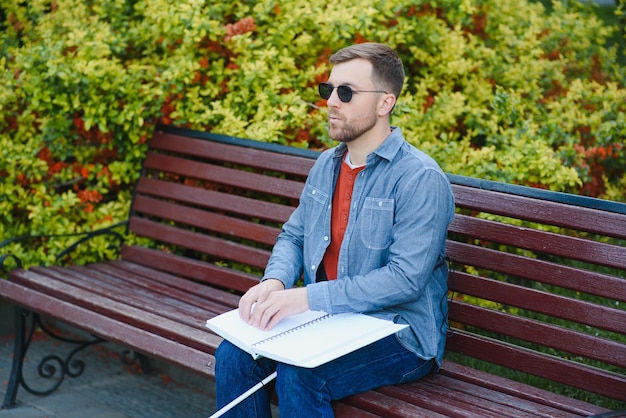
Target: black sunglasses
344,92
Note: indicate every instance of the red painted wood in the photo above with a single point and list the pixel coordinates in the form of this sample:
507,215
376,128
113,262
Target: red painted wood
119,332
536,210
161,263
559,370
342,409
226,202
209,221
233,154
122,285
224,175
458,398
155,324
542,242
547,335
570,309
217,247
546,272
389,406
519,390
238,205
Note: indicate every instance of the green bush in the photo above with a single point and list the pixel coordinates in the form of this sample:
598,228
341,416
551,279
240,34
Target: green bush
499,90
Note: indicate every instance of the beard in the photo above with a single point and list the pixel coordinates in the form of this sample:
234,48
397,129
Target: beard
347,131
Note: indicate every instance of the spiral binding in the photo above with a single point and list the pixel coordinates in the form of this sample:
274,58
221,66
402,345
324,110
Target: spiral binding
292,330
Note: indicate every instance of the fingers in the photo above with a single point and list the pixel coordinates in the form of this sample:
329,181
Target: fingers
265,304
266,316
278,305
255,295
246,304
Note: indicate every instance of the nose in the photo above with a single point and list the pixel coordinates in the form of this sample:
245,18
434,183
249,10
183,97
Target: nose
333,100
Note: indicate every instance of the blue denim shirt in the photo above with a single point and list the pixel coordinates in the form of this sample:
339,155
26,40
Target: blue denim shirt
391,261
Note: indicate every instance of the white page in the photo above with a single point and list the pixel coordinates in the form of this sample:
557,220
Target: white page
231,327
327,339
308,339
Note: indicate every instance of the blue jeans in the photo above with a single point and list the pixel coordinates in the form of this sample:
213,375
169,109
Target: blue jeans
306,392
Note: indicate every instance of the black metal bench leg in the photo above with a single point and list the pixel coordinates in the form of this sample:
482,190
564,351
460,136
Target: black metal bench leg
52,368
19,349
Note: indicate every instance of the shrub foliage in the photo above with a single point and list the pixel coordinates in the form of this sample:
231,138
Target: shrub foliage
504,91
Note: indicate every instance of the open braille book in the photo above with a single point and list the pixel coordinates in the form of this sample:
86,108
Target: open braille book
308,339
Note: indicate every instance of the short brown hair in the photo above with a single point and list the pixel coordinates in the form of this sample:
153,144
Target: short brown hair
388,69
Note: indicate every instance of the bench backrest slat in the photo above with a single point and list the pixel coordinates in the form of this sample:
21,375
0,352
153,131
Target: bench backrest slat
223,175
541,241
550,273
539,364
211,199
202,243
535,210
537,332
214,222
253,157
541,302
172,265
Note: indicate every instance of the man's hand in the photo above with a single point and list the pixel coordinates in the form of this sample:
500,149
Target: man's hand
271,303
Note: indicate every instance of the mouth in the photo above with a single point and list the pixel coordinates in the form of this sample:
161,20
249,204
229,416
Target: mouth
333,118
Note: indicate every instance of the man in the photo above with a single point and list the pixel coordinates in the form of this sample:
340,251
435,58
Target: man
368,236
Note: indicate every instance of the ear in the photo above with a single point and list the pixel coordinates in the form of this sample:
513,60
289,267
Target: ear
386,104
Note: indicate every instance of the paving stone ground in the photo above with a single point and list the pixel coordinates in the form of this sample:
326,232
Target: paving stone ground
107,388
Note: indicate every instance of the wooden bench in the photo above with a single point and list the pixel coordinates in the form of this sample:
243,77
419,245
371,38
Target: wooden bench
538,288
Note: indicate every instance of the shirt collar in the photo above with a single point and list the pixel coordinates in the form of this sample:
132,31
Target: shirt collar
387,150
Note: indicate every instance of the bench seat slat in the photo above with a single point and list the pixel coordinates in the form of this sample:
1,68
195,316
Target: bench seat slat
194,293
91,280
104,326
212,199
388,406
429,398
454,395
116,281
496,401
342,409
190,336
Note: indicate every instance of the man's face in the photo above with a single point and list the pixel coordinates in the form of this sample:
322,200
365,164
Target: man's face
349,121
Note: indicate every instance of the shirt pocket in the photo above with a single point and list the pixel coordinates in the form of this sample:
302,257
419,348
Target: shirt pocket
377,223
316,202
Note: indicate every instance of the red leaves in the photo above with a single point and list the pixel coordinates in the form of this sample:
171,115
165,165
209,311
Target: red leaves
245,25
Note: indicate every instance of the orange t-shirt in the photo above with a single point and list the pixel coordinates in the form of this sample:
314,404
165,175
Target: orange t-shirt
342,200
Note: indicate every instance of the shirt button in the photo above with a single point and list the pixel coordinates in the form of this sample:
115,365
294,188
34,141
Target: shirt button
313,267
314,191
326,238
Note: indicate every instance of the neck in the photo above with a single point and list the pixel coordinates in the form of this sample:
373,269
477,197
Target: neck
364,145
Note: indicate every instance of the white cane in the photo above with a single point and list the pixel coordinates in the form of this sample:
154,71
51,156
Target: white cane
244,395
